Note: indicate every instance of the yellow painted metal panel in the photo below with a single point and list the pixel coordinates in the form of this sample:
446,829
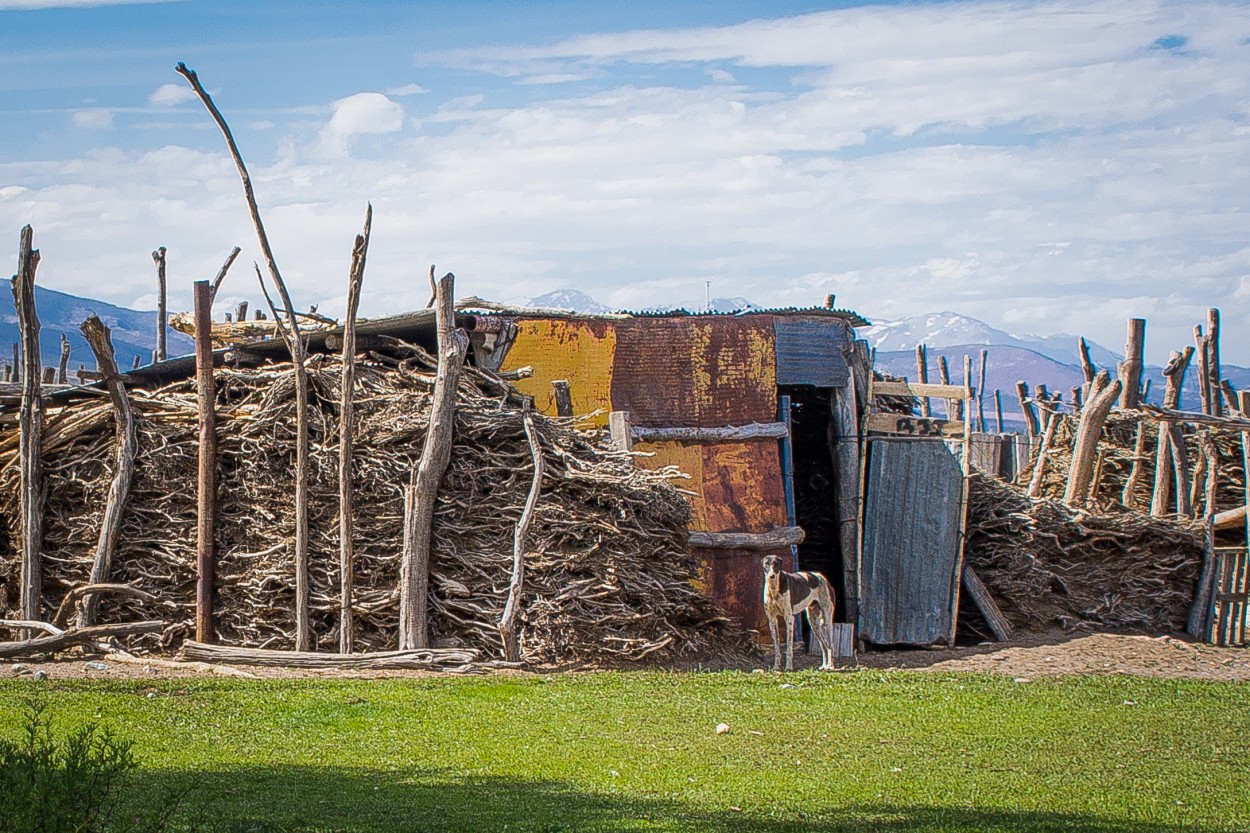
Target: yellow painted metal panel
688,458
580,351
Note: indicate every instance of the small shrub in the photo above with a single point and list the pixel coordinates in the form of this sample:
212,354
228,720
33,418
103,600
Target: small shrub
70,785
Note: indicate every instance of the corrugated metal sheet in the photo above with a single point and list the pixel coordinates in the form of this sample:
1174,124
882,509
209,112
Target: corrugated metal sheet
809,352
695,371
911,542
582,351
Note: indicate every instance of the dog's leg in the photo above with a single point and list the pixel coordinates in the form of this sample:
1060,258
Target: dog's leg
819,624
772,630
790,642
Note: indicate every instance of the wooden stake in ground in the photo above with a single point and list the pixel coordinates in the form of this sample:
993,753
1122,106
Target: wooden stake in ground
414,576
1213,358
30,429
944,378
1103,394
998,410
206,482
1129,495
1039,468
1131,367
1203,345
1174,374
162,313
346,427
508,622
1026,408
62,377
981,392
1088,369
98,337
922,376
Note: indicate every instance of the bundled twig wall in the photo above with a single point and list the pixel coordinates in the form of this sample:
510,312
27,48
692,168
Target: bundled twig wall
608,576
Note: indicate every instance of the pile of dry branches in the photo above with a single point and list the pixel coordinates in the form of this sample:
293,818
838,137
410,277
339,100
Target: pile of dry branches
608,574
1048,565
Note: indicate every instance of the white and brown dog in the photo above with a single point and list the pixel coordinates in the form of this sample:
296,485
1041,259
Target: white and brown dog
786,595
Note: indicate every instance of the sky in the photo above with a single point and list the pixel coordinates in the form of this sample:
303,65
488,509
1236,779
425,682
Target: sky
1043,166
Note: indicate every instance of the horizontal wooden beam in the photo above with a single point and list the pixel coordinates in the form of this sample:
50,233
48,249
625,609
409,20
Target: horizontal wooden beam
709,436
444,659
1231,518
919,389
778,538
914,426
1195,418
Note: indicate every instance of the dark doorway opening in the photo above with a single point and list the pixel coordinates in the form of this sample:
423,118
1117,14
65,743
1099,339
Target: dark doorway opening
815,487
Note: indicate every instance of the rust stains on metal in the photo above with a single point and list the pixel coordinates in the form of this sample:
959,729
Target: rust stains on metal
735,580
579,350
742,487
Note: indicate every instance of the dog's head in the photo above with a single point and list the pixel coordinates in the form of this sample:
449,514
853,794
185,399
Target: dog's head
772,566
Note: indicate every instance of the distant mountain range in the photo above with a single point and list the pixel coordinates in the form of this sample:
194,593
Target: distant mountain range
134,331
575,300
1052,360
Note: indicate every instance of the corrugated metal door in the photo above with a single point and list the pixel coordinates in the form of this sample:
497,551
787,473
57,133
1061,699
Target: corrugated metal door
912,527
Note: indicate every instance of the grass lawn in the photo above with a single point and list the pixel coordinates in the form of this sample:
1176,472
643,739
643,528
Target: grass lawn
638,751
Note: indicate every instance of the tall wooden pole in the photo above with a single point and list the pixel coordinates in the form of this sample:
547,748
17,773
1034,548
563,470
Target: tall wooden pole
512,608
162,313
98,337
62,376
1087,368
1027,408
1102,395
30,428
346,427
206,483
414,568
922,376
981,392
1213,370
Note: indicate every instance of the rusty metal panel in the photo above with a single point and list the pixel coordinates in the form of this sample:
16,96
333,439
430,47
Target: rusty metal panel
911,542
743,490
690,372
687,458
581,351
734,579
809,351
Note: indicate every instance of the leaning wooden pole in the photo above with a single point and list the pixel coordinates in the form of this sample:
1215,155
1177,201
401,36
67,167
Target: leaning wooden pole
1027,408
100,341
295,345
1102,395
221,275
414,575
512,609
206,482
162,301
30,429
346,427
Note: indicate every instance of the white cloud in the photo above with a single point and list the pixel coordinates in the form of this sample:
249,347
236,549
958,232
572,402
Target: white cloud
406,89
93,119
358,115
169,95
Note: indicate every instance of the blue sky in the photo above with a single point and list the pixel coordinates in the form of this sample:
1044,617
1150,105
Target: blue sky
1049,166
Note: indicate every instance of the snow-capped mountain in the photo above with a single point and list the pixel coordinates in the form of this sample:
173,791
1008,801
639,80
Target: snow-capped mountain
573,300
940,330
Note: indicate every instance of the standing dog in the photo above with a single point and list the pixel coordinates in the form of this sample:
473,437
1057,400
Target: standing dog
786,595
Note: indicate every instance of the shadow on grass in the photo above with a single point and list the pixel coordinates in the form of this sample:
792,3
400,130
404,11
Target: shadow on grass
303,799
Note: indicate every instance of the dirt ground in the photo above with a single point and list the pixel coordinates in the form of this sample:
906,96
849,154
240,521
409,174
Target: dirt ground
1030,656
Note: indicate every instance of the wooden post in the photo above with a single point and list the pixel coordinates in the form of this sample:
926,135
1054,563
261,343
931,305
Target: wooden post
985,603
922,376
998,409
981,393
240,312
1213,359
964,406
1129,496
1203,345
1026,408
1103,394
30,430
414,577
1174,374
844,424
1088,369
135,364
346,428
563,397
1048,439
512,608
1131,367
206,485
17,361
620,432
98,337
158,257
1180,468
956,581
62,377
1198,611
944,377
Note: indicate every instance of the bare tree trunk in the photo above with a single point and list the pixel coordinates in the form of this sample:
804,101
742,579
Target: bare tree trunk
507,623
1180,466
1203,345
1088,369
206,483
922,376
346,440
1103,395
98,337
981,392
1026,407
30,422
1213,358
1039,468
62,377
414,577
162,313
944,377
998,409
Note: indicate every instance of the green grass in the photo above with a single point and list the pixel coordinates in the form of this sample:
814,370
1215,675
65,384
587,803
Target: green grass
864,751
